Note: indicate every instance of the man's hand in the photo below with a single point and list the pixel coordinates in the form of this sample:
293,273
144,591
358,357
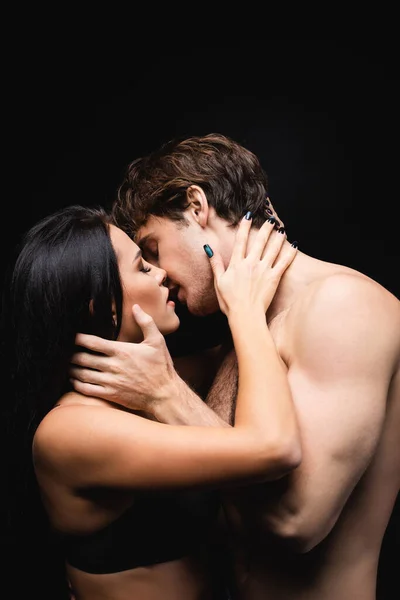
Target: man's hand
138,376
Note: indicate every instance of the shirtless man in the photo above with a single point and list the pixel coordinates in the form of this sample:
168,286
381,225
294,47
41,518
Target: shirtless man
316,533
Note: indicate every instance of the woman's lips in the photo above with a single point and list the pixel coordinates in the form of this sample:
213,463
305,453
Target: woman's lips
173,295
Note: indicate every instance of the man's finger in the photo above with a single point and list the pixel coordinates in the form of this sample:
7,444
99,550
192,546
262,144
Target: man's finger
91,361
146,324
88,389
87,375
95,343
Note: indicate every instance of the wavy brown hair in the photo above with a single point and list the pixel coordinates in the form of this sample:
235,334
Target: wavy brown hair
230,175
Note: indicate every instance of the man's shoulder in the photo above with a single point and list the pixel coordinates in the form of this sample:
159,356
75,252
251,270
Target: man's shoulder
341,311
345,291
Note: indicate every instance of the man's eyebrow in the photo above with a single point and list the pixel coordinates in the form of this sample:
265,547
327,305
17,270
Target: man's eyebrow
142,242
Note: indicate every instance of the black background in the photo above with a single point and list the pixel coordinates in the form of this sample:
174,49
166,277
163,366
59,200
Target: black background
322,115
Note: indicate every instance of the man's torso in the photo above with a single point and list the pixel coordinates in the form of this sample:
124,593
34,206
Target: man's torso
344,563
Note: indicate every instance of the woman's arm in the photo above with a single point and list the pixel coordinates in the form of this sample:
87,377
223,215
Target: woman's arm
130,452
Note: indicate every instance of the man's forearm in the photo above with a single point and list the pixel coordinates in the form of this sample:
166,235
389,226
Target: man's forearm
185,407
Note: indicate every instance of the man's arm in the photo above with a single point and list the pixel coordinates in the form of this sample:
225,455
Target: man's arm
199,369
185,407
109,370
343,356
198,346
213,375
207,390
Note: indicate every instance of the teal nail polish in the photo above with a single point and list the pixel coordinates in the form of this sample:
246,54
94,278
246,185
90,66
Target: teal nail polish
248,215
208,250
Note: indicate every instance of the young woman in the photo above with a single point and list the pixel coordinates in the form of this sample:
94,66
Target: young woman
131,501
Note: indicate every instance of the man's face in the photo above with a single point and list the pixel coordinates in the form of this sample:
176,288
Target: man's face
179,251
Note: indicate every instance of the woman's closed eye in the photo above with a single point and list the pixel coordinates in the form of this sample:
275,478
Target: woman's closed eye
143,268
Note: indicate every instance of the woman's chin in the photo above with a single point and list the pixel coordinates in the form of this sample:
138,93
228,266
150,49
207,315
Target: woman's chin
171,326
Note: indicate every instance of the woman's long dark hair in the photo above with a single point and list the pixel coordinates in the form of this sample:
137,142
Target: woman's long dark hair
64,280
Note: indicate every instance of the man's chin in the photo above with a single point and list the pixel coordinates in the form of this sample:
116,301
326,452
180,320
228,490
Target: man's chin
201,311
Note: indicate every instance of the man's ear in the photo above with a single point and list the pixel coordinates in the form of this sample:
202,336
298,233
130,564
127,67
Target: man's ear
198,209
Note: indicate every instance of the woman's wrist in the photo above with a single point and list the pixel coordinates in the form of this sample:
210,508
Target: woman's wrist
242,313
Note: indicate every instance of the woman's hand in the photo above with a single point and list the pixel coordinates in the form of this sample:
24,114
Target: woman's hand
253,274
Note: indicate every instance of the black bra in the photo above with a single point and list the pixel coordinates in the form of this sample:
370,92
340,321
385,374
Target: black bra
158,527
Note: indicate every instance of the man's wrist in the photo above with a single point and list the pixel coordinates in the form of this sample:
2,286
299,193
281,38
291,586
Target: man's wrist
168,407
182,406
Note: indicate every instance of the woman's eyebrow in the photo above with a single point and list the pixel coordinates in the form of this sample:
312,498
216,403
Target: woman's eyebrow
137,255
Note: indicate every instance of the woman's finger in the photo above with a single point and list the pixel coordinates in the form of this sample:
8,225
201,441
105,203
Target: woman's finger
261,240
216,263
242,235
285,258
274,247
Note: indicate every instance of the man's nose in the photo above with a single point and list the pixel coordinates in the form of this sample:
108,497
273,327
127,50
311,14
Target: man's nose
160,275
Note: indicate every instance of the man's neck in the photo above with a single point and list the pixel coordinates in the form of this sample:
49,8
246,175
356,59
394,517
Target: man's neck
304,270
